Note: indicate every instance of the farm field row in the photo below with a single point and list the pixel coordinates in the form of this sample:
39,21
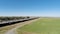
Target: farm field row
41,26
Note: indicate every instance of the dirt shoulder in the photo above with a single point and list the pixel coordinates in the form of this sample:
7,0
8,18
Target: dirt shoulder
13,31
10,27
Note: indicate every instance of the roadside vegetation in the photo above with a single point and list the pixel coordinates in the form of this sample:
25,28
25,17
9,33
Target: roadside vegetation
11,18
6,28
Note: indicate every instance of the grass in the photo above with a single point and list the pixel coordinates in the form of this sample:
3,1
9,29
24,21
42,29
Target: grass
6,28
3,30
42,26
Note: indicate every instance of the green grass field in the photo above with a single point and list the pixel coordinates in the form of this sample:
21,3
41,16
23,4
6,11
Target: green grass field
42,26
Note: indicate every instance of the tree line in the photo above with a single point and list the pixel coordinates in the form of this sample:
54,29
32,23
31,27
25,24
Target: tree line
12,18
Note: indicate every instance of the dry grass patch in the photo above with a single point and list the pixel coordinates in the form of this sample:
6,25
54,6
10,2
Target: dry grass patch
25,32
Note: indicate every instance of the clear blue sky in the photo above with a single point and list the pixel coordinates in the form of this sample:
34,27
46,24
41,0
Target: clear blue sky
30,8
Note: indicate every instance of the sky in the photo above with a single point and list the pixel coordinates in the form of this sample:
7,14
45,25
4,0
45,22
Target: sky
50,8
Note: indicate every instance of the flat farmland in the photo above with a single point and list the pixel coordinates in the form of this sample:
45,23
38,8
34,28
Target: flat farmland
41,26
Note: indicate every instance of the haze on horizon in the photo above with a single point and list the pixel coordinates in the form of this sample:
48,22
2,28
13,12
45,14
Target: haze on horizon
46,8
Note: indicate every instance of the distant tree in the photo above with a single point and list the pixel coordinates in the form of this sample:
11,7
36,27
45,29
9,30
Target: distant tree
28,17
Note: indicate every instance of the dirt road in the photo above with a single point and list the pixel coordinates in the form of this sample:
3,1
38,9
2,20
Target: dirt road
13,31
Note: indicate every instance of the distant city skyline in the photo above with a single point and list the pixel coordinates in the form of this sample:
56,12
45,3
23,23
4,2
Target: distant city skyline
45,8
